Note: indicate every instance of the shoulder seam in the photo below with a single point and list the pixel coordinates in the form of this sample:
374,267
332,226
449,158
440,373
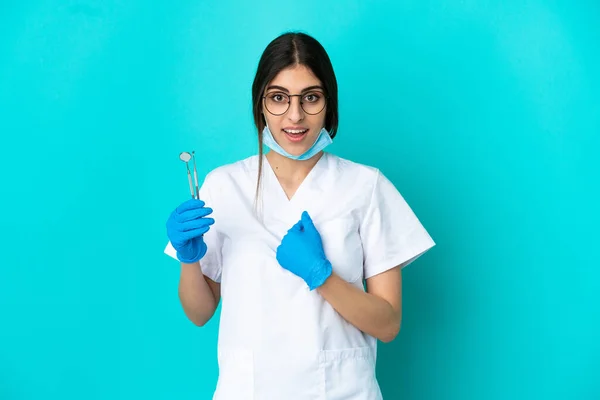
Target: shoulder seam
376,181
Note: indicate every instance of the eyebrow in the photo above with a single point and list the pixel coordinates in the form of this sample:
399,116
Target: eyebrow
303,90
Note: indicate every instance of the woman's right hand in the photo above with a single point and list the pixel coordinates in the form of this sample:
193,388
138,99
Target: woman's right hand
186,226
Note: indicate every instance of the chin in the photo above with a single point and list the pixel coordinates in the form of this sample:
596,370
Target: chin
295,150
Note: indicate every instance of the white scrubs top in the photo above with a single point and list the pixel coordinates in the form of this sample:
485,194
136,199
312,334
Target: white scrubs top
277,339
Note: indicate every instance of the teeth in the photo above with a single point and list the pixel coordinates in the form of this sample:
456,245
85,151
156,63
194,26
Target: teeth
296,131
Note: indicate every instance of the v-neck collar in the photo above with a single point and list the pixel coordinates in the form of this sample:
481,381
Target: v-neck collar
305,182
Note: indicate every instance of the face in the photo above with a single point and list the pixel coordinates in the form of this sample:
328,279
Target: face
297,127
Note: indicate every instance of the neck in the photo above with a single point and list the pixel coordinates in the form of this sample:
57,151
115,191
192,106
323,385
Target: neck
289,169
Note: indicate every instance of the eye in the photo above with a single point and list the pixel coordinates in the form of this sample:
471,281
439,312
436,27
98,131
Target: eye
278,97
312,97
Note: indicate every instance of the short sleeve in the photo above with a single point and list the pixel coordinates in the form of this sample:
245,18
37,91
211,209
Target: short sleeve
211,263
391,233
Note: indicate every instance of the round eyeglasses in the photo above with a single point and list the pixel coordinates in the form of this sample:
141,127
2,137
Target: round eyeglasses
277,103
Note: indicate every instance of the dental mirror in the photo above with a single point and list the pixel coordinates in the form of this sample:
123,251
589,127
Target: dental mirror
185,157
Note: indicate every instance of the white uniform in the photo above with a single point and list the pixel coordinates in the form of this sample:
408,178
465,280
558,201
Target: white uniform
277,339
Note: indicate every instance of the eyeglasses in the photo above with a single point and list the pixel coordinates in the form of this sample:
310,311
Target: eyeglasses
277,103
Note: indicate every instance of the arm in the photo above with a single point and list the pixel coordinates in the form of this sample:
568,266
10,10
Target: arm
377,312
198,294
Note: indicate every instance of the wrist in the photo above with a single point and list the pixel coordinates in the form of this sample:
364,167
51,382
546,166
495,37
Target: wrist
319,273
192,254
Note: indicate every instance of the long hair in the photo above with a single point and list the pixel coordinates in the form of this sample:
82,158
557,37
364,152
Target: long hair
288,50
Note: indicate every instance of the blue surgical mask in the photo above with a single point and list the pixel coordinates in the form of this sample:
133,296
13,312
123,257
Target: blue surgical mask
323,140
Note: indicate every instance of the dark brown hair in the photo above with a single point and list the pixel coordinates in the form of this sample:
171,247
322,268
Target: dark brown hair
288,50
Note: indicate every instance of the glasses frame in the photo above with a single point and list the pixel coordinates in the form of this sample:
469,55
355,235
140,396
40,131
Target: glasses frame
325,97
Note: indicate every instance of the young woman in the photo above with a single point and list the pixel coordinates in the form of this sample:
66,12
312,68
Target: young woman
303,248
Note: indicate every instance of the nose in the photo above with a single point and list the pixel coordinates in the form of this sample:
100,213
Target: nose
295,113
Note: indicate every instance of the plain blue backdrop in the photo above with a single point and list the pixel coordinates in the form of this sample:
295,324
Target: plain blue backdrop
486,115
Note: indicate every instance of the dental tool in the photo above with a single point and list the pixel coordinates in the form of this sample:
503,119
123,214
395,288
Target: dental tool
186,157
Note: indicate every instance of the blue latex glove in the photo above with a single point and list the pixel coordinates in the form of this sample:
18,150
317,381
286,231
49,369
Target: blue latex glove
186,226
301,253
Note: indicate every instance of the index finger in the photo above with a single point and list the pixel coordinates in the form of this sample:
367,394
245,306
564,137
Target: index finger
191,204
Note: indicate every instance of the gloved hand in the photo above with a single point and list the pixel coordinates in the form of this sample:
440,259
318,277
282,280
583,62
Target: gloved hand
186,226
301,252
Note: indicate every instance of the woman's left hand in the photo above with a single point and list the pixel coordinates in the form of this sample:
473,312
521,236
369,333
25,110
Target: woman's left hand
301,252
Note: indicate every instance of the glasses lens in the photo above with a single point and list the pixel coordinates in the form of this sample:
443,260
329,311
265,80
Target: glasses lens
313,103
277,103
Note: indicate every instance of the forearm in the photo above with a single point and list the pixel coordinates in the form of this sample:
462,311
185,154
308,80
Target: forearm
195,294
369,313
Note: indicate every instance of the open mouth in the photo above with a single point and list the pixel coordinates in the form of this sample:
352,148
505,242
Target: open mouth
295,135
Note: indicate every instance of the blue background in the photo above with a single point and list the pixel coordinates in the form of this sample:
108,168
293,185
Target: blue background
486,115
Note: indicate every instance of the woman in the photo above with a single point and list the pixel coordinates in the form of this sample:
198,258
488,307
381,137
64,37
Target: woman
303,247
